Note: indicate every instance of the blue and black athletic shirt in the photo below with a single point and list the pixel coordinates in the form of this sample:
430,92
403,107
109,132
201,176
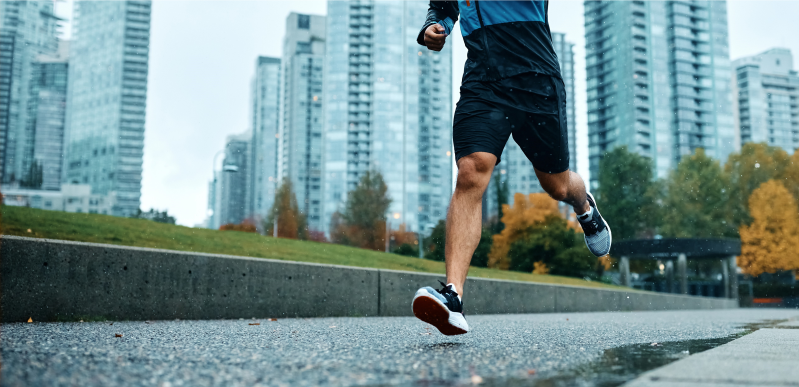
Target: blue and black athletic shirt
504,38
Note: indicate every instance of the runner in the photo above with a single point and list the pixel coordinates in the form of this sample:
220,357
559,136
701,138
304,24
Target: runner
511,85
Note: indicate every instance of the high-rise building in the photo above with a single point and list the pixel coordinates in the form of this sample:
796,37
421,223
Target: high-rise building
766,96
658,80
106,99
265,100
302,114
28,29
234,180
518,170
387,108
50,94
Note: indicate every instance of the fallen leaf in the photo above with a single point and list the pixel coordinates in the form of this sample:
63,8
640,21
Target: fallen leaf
111,324
118,335
567,319
530,372
272,319
30,319
255,323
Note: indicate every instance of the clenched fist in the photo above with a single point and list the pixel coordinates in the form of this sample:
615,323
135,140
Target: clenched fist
435,37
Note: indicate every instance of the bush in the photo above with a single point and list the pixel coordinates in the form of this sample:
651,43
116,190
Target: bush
543,242
243,227
574,262
407,249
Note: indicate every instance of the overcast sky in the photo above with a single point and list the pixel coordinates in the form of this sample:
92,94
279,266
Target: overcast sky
203,55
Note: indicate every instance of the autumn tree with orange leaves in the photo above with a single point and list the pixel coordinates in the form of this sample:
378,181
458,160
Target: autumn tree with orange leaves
291,223
771,242
519,219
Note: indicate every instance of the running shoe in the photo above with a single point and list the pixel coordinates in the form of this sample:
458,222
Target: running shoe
597,232
441,309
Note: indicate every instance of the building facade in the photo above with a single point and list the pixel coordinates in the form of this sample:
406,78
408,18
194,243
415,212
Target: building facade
234,181
50,81
301,113
68,198
658,80
766,91
265,105
28,29
106,99
388,108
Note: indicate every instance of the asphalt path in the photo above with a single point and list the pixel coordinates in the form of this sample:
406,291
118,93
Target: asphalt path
533,349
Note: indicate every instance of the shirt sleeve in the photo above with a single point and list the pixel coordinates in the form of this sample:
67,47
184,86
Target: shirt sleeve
440,12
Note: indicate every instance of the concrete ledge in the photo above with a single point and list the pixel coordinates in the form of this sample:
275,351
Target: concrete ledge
51,279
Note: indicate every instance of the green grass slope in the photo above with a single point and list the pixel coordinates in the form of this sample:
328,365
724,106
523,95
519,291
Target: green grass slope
144,233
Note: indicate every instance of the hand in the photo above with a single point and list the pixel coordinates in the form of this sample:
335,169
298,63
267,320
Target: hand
434,37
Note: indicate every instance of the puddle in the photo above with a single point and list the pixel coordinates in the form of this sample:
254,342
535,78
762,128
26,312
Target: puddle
619,365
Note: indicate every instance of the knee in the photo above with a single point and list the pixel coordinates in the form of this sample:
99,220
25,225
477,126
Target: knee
474,172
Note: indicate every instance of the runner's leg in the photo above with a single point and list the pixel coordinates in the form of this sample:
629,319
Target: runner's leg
567,187
464,219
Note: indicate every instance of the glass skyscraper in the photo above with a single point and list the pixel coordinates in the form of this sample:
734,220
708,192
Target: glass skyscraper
658,80
28,29
387,108
766,92
107,98
302,114
50,74
265,108
234,181
518,170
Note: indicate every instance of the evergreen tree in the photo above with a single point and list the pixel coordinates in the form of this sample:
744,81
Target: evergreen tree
363,221
696,203
628,194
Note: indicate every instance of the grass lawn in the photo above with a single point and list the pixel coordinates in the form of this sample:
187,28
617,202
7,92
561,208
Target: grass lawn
144,233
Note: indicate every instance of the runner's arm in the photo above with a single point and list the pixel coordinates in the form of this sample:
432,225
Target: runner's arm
444,13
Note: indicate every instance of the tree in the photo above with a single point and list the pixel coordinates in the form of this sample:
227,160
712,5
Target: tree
155,216
628,194
771,242
791,176
291,223
363,222
502,191
747,170
527,211
480,256
696,202
437,241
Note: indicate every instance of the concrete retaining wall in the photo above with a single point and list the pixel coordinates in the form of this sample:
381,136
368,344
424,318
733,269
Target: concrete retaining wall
58,280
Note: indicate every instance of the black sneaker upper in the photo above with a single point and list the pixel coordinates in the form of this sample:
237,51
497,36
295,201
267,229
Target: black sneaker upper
452,301
595,224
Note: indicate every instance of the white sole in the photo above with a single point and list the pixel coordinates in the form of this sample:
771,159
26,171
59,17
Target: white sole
430,309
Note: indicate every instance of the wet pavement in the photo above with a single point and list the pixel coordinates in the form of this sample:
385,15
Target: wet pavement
591,349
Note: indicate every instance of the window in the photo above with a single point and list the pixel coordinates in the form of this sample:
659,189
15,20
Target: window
304,22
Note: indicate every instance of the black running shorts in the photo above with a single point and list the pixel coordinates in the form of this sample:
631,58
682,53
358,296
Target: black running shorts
530,106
